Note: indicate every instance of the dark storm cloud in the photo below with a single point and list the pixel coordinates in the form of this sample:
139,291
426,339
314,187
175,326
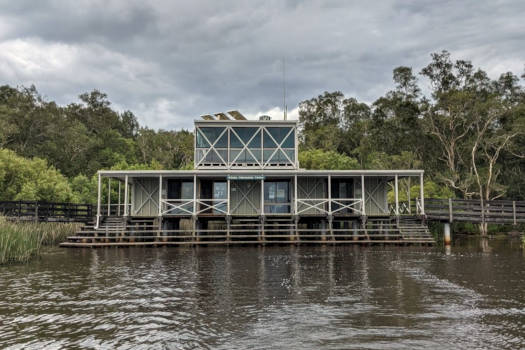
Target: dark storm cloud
171,61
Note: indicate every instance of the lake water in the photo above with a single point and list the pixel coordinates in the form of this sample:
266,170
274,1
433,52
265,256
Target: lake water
274,297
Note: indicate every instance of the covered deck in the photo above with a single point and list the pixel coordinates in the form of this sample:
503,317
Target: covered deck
220,193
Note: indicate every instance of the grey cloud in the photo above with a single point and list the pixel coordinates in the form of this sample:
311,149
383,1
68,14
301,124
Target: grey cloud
172,61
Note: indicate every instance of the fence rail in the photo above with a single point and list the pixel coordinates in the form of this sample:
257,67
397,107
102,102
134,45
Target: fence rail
475,210
46,211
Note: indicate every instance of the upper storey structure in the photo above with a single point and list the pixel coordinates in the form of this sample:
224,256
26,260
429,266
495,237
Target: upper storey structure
230,141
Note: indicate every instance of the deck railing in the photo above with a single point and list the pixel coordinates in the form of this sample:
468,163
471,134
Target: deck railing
47,211
337,205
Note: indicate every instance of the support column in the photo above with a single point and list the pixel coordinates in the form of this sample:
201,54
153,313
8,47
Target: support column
228,215
194,219
228,195
126,200
396,191
262,219
262,196
109,196
160,209
160,196
363,200
329,190
99,193
422,194
118,205
295,194
446,234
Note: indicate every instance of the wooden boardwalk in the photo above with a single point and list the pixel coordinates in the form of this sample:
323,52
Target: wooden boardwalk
475,211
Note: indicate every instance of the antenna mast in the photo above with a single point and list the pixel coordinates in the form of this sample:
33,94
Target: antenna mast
284,90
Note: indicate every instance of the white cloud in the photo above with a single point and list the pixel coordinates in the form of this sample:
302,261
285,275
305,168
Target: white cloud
170,62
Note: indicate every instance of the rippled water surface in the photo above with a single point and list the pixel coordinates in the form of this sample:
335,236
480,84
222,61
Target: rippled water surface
281,297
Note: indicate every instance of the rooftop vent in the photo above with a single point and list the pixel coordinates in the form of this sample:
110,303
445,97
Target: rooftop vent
265,117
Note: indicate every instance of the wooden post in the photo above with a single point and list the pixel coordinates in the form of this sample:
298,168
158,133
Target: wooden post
514,212
421,194
126,188
450,212
99,193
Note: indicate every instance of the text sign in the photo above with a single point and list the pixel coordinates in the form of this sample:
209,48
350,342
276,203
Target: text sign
246,177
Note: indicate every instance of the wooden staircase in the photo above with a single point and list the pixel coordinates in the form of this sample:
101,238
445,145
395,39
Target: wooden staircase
414,231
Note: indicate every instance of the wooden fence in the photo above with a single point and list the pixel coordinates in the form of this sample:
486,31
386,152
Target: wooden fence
475,210
46,211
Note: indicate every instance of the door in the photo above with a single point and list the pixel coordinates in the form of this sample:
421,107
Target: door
220,192
180,193
342,189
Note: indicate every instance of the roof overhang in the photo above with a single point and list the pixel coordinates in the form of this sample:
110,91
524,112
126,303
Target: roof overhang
254,172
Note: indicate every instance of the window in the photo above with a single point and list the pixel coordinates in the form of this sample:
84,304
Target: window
275,138
277,197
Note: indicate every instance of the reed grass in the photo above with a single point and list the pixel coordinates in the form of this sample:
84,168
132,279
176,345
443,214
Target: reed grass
22,241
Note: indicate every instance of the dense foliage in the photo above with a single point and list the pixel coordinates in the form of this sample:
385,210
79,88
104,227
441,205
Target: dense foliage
465,129
467,132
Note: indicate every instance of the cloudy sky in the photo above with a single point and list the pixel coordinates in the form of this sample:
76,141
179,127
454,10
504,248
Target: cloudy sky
171,61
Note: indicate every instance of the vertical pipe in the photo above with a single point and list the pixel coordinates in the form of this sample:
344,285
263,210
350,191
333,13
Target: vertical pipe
195,155
296,148
99,193
447,237
228,195
126,200
295,194
261,129
160,195
109,196
118,206
421,194
363,197
228,150
329,190
194,195
262,197
396,191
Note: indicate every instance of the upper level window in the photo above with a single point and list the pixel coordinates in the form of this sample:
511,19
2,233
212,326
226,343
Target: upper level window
253,146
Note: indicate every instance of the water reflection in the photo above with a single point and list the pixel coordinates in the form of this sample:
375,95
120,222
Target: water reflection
470,295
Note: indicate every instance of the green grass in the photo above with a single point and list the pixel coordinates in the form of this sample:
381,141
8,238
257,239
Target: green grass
22,241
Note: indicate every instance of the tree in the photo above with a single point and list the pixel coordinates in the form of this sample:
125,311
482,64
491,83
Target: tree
319,160
31,179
